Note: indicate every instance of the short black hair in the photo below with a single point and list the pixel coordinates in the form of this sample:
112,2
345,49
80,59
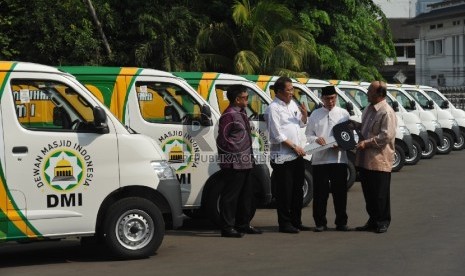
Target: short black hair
234,91
280,84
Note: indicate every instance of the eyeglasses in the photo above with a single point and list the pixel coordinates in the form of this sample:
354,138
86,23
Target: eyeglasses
330,98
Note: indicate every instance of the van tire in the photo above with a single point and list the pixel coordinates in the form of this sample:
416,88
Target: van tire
460,145
135,218
413,160
447,145
351,174
212,203
308,188
430,150
399,159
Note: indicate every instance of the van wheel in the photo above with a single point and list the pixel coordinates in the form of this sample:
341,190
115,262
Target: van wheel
134,228
460,145
430,150
447,144
351,174
212,203
416,154
308,188
399,159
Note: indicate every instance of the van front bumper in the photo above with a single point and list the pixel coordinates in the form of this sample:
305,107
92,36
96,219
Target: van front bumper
456,130
171,190
440,135
424,137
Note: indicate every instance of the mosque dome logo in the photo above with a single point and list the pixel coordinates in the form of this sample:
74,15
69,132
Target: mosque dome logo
63,170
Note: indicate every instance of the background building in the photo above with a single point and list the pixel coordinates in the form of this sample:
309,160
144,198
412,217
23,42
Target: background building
439,49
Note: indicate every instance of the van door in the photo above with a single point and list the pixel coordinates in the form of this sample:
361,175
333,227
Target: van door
59,169
168,112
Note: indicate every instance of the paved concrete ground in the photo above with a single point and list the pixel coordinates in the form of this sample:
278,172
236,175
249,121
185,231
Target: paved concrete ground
426,237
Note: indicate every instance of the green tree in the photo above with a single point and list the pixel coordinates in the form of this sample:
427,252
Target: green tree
353,37
263,39
52,32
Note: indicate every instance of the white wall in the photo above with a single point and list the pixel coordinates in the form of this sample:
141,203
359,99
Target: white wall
397,8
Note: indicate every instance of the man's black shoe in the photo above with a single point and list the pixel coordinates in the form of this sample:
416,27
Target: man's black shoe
303,228
320,228
249,230
288,229
231,233
342,228
382,229
366,227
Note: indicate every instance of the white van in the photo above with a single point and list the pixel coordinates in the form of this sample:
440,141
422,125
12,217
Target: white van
213,87
403,145
450,127
167,109
357,92
302,95
445,104
70,169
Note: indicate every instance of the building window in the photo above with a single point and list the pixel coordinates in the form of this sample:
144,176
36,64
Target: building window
435,47
432,27
410,51
399,51
439,25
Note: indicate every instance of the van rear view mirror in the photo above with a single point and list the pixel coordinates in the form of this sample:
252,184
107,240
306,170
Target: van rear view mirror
412,105
100,120
350,108
206,116
445,104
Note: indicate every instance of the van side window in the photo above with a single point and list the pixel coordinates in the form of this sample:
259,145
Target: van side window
166,103
255,107
402,99
300,97
52,106
421,99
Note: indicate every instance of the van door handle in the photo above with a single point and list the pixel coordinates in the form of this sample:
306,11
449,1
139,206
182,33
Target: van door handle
20,150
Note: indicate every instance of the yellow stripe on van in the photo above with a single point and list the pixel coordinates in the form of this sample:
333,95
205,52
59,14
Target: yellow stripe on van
121,91
206,84
264,81
303,80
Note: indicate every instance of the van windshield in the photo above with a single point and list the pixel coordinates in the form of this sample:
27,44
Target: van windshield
161,102
43,104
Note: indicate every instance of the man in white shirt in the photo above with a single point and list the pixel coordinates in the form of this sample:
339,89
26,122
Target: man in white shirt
329,165
284,119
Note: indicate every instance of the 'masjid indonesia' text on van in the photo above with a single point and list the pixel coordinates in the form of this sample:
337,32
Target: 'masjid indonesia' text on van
69,168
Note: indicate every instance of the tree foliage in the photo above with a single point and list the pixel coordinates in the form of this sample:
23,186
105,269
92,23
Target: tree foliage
344,39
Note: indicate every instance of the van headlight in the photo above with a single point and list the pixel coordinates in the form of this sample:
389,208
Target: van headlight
404,130
163,170
421,127
454,122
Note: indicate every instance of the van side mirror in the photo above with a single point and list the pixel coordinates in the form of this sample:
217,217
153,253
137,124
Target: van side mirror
395,106
350,108
430,104
61,118
206,116
100,120
445,104
171,115
412,105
